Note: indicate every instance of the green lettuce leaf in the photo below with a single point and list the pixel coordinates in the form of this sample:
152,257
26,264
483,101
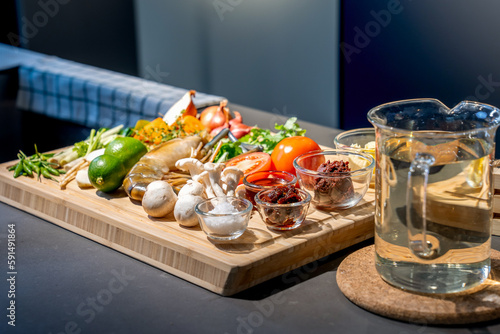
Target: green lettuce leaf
262,137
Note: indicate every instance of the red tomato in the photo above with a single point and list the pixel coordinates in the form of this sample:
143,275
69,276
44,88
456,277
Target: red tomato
251,162
288,149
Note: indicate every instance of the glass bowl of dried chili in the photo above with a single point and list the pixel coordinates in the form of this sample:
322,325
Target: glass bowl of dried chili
335,179
263,180
283,208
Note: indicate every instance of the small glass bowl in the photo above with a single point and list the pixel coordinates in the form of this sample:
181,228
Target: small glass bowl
263,180
358,140
334,191
225,225
282,217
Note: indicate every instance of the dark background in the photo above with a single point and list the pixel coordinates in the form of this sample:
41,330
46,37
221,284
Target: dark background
445,49
439,49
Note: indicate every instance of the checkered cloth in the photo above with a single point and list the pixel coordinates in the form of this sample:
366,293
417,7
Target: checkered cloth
95,97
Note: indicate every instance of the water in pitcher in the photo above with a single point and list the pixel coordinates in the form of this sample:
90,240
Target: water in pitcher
458,211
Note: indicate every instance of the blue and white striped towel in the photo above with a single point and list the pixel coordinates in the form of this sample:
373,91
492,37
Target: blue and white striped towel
95,97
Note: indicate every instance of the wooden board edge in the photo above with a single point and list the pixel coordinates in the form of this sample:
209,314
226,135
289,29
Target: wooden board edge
495,229
201,273
303,254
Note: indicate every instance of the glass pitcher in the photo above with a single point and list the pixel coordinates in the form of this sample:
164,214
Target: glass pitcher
433,193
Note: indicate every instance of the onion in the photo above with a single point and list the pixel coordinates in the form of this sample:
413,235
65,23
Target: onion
215,116
215,131
237,119
240,129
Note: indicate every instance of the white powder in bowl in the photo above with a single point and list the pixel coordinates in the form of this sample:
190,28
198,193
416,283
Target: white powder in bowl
225,225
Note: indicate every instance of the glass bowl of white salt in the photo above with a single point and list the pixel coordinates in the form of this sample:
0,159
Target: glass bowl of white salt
224,218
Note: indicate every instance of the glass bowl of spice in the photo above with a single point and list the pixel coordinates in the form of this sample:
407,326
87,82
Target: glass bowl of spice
358,140
283,208
263,180
224,218
332,180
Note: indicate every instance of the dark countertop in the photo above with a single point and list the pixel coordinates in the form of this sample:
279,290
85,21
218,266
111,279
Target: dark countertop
66,283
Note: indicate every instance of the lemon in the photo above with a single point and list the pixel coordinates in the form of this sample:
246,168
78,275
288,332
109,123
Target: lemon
140,124
106,173
474,172
127,149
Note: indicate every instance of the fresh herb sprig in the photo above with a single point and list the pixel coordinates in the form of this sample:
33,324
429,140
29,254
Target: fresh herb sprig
263,137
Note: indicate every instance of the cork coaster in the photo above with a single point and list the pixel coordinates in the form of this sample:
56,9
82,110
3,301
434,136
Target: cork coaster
360,282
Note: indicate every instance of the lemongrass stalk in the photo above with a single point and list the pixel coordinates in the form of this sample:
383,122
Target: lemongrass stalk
108,139
70,157
112,131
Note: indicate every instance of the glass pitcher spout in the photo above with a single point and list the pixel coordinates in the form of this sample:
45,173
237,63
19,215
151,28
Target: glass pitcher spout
432,114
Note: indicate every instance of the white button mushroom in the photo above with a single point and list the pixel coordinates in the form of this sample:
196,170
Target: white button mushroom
191,188
184,210
159,199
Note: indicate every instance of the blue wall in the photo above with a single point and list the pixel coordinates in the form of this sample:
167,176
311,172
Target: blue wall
447,49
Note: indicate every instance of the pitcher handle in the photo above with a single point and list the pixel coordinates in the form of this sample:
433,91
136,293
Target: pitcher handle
418,238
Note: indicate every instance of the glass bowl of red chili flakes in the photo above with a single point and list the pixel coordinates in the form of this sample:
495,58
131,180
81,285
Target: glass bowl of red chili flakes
334,178
283,208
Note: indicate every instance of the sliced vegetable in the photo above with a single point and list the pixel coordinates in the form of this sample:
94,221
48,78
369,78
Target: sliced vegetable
251,162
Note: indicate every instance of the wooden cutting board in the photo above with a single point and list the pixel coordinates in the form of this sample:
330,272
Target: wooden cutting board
496,201
454,204
453,201
222,267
